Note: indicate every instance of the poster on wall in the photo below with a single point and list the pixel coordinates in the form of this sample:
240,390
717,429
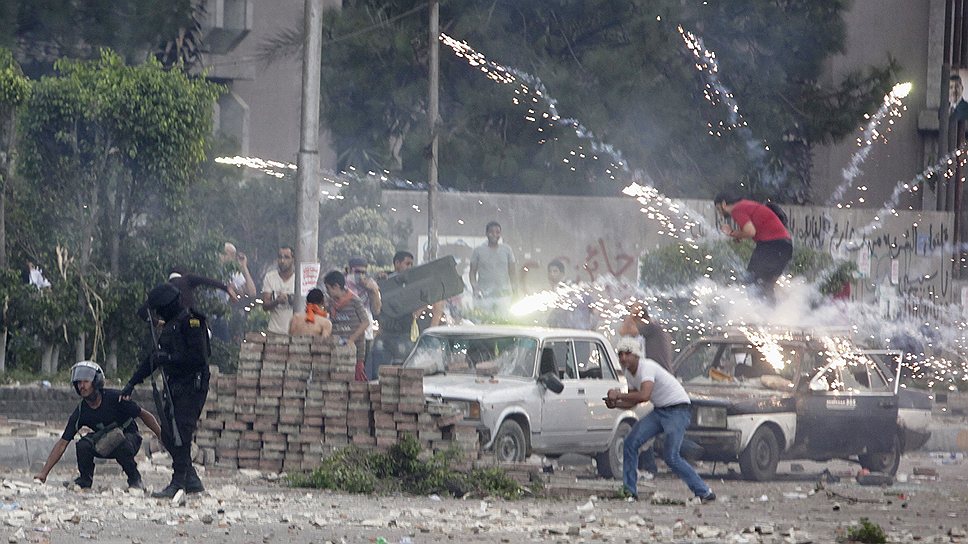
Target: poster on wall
309,275
864,263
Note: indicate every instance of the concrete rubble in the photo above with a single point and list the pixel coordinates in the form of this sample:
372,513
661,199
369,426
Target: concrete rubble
248,505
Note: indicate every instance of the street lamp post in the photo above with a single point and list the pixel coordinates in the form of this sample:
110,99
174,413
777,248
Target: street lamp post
307,194
434,121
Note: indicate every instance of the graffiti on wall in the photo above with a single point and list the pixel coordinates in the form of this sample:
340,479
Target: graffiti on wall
909,265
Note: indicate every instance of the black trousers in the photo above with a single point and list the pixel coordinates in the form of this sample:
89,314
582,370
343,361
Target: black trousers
123,454
767,263
188,397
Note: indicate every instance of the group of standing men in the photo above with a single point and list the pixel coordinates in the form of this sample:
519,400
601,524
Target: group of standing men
348,309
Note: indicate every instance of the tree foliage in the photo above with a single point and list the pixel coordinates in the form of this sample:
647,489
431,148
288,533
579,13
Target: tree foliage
107,154
364,233
618,66
45,30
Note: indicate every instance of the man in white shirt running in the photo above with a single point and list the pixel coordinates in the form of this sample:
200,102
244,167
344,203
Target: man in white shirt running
671,415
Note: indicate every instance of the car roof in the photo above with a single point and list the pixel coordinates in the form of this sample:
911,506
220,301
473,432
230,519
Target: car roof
733,333
539,333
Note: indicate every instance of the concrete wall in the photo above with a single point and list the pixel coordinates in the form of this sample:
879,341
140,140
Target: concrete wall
605,236
271,91
877,31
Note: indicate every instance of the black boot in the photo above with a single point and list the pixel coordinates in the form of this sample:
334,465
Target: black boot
193,484
177,483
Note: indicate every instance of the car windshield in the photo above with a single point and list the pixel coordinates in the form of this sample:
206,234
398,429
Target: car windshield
722,363
475,354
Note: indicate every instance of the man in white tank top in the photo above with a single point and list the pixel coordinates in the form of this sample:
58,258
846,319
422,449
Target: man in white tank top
648,381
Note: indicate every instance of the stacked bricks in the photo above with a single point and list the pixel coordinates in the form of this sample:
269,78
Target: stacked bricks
294,401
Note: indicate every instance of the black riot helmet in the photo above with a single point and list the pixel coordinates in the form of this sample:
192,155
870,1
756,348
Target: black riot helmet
87,371
165,300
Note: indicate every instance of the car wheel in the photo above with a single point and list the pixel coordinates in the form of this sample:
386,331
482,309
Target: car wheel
609,462
510,445
886,462
758,461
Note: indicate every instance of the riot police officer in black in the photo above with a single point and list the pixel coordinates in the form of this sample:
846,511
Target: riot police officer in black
104,412
182,355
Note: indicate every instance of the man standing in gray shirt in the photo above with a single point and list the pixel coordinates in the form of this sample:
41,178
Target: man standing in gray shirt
492,272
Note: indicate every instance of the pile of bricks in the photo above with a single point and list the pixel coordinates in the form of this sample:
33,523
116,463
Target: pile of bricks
294,401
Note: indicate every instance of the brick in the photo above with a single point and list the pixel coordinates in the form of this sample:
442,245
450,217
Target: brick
411,407
363,440
264,426
250,445
270,465
235,425
248,454
254,337
249,463
287,428
334,430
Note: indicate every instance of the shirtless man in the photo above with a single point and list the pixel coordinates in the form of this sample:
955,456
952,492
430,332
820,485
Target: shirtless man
314,321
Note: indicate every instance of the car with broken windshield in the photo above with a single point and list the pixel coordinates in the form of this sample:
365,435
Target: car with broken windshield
759,397
528,390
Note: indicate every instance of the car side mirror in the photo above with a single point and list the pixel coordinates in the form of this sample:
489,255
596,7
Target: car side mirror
551,382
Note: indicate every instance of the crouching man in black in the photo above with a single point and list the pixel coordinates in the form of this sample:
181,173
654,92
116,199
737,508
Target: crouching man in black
111,418
181,355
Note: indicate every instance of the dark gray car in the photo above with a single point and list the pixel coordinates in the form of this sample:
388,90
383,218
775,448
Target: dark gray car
759,398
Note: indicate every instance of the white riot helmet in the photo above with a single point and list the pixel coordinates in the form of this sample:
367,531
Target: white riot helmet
87,371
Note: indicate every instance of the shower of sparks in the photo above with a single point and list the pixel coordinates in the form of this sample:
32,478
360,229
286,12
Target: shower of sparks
331,184
769,345
944,169
674,218
891,108
275,169
531,93
714,92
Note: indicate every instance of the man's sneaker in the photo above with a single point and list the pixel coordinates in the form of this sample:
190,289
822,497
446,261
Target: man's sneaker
708,497
136,484
626,493
167,493
83,483
646,476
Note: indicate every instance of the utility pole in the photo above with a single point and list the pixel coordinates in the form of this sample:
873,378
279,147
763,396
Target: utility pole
433,119
307,173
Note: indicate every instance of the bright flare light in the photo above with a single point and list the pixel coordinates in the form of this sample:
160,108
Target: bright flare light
901,90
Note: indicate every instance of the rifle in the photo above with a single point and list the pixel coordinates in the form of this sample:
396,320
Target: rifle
163,402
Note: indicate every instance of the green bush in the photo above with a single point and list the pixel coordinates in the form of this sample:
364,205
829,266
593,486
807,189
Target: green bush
406,468
866,532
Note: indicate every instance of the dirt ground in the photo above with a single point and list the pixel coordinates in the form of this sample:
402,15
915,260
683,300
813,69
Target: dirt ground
241,508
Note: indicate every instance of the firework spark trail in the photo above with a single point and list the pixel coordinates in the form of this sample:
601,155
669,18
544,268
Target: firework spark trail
275,169
716,92
890,107
946,163
528,84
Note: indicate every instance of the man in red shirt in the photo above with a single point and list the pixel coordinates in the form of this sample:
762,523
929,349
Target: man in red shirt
756,221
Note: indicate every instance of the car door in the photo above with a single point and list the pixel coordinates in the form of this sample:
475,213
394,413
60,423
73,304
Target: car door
595,377
837,415
877,406
563,415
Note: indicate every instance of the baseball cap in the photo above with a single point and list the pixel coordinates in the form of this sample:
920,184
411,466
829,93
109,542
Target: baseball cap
357,261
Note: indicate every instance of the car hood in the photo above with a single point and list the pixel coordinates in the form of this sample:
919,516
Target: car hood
740,399
468,387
